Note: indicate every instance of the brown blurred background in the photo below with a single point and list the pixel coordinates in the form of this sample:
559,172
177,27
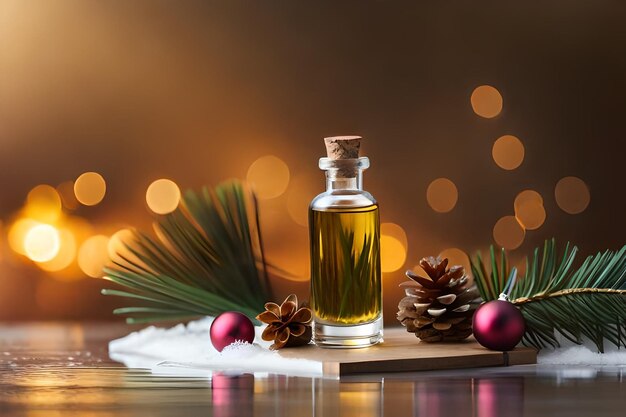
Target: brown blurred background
198,92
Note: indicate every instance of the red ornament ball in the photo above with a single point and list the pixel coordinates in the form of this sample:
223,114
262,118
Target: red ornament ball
498,325
231,327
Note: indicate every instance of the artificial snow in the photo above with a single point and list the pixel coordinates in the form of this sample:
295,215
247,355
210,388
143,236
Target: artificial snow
585,354
186,350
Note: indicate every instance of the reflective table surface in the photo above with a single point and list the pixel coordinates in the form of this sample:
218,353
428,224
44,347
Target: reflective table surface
60,369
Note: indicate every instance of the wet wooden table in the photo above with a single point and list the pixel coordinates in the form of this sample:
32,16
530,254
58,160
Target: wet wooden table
61,369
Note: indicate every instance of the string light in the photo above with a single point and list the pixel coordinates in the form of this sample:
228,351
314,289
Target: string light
508,152
42,242
90,188
486,101
268,176
163,196
442,195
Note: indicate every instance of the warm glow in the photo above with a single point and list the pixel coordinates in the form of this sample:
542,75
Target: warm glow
572,195
442,195
17,233
268,176
392,253
508,233
163,196
395,231
456,257
43,204
529,209
65,255
42,242
66,191
93,255
508,152
118,243
528,196
486,101
90,188
301,191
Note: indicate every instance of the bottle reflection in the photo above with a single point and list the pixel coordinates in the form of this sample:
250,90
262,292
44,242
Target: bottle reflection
351,399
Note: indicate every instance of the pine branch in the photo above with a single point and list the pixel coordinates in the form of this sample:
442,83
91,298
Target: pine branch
207,258
554,297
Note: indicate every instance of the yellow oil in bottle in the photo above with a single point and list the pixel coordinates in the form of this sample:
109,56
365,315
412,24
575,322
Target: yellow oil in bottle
345,265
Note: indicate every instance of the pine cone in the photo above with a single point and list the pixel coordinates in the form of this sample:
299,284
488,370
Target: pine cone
287,325
439,308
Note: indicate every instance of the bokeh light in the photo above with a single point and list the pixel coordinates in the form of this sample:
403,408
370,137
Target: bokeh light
65,255
442,195
395,231
43,204
508,233
392,253
268,176
301,191
457,257
17,233
572,195
93,255
163,196
42,242
508,152
66,191
90,188
529,209
486,101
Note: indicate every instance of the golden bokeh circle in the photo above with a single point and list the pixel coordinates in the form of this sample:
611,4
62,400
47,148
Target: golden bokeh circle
93,255
572,195
65,255
508,152
43,204
392,254
395,231
42,243
528,196
456,256
163,196
18,231
90,188
442,195
268,176
508,233
529,209
486,101
299,196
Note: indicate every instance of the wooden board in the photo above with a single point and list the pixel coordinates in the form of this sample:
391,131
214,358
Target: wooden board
402,352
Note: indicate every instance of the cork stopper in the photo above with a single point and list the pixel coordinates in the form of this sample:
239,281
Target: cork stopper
343,147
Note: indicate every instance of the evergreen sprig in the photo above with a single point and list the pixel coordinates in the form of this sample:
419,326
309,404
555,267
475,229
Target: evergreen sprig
556,297
207,258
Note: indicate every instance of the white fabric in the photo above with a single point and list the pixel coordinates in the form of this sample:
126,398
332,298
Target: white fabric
187,350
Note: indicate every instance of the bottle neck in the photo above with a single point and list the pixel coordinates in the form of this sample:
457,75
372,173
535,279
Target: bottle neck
344,174
335,181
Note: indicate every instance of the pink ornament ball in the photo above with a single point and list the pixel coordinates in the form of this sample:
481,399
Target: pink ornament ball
498,325
231,327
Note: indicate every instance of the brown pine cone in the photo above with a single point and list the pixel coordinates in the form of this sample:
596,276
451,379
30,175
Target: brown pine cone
440,307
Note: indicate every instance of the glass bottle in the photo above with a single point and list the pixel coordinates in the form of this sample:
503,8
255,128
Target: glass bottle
344,225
